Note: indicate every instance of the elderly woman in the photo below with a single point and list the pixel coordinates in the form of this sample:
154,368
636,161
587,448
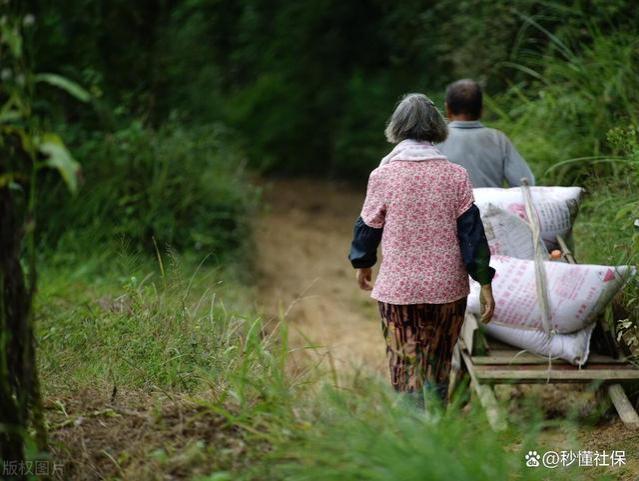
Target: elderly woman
420,206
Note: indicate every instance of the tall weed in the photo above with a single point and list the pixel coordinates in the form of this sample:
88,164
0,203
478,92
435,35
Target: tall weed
579,90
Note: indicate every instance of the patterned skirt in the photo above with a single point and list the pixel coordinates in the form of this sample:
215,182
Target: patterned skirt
419,343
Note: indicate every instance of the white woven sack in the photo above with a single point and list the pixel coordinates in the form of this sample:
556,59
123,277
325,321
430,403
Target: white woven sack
556,207
573,347
507,234
576,293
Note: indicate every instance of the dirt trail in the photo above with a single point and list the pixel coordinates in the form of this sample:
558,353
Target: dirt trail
304,274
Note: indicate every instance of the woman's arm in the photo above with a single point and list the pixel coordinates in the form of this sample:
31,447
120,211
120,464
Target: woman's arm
476,256
474,246
367,233
366,239
363,254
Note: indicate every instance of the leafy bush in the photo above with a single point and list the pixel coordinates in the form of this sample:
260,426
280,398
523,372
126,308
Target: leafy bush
176,186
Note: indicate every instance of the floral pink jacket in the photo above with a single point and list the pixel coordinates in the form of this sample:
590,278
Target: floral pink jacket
416,195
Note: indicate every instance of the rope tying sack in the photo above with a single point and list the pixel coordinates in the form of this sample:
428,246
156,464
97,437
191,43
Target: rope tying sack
540,271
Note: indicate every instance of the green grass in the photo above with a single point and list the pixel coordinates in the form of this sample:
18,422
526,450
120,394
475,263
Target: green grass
163,336
370,434
138,323
147,360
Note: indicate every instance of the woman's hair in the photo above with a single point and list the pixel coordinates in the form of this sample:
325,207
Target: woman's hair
416,118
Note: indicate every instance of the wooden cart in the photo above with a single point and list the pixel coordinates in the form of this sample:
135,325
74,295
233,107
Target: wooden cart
489,362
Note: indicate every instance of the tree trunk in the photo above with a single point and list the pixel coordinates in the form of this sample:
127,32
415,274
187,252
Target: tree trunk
20,403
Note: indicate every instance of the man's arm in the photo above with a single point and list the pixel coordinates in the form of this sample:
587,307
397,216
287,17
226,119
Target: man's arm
515,167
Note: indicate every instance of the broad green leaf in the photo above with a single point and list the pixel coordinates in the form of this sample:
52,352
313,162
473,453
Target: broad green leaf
58,157
65,84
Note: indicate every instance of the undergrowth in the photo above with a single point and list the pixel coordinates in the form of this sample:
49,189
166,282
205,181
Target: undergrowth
172,185
151,367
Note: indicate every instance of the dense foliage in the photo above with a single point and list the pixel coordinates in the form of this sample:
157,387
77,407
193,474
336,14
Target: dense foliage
172,185
309,84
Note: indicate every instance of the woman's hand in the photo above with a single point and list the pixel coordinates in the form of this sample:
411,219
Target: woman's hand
365,278
487,303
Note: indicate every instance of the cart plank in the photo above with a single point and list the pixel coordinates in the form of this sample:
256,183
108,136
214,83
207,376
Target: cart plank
513,356
557,373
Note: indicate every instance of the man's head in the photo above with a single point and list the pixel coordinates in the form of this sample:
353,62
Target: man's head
464,100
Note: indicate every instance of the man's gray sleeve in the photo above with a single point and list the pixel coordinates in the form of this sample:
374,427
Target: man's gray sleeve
515,167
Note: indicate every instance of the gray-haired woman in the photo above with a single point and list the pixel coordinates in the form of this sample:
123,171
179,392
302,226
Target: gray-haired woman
420,206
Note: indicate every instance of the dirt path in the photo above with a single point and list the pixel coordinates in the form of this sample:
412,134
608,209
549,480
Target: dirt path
305,276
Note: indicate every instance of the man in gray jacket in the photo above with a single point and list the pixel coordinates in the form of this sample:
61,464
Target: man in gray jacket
487,154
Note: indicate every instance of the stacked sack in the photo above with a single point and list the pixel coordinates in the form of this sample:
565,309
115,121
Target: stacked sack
556,208
577,293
